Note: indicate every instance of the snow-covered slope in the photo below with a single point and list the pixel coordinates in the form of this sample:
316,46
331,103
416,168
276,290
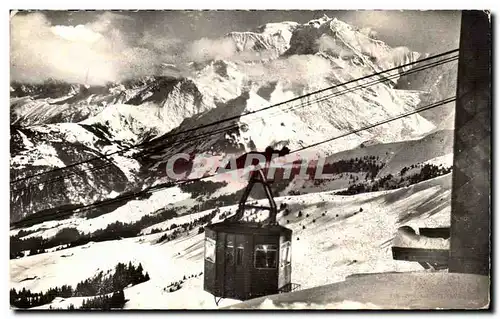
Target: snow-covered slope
395,156
59,124
435,148
130,212
54,102
325,248
435,84
41,148
171,98
395,291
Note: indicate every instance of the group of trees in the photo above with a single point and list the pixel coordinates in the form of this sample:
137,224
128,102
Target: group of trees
220,201
37,245
369,164
174,286
187,226
389,181
405,169
428,171
26,299
106,302
101,284
71,237
201,188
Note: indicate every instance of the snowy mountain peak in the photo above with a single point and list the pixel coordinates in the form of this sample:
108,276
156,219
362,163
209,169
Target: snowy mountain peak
273,38
303,58
318,22
343,43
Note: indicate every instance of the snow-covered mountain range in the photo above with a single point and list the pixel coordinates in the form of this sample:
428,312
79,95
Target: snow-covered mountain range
56,124
141,121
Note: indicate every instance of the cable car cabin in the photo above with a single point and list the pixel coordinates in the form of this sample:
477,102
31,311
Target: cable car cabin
245,260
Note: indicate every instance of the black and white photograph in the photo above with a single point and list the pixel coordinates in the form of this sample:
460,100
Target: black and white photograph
250,159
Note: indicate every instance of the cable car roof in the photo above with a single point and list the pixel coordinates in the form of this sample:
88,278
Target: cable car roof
247,228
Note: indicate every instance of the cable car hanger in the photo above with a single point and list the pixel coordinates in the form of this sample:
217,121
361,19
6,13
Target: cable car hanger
257,177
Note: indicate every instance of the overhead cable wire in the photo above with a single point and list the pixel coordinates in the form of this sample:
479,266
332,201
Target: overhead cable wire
236,126
168,135
71,211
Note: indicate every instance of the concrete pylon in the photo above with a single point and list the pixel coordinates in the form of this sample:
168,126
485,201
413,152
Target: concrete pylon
470,200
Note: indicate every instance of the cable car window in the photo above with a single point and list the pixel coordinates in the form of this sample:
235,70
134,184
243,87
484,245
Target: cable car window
286,254
210,249
266,256
229,253
239,255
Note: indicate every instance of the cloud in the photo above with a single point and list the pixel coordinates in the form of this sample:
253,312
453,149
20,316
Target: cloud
39,51
369,32
94,53
295,69
103,50
167,45
111,49
109,21
76,33
207,49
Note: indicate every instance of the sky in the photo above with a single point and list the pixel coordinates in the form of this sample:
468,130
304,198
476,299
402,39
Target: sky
117,44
